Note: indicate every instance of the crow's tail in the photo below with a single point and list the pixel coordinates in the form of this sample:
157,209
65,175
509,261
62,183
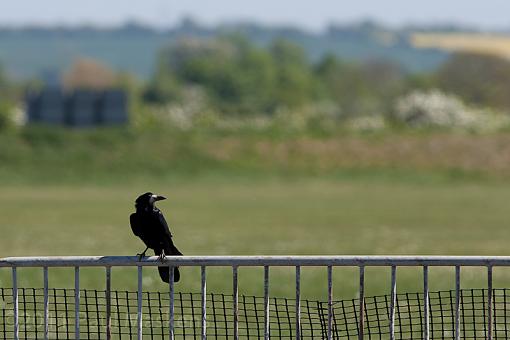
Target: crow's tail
164,273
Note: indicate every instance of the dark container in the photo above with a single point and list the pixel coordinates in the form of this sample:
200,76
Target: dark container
82,109
47,106
113,108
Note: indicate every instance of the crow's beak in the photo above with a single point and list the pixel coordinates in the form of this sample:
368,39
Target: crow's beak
160,198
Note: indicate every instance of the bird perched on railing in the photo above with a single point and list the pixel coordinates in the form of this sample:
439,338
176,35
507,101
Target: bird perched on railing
149,224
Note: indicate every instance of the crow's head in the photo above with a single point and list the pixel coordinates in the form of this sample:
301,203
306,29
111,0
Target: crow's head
147,200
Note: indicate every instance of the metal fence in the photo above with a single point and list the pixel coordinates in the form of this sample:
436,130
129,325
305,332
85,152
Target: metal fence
404,316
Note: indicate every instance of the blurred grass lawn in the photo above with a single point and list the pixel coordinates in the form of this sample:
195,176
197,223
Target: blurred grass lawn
222,216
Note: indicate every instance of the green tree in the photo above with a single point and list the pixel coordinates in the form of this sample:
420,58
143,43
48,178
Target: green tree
360,88
342,82
295,83
236,75
5,101
478,79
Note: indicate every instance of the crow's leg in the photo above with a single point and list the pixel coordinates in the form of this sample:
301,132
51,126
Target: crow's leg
140,256
162,256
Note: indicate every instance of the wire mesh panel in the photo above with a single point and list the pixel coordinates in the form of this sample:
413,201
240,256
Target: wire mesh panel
220,315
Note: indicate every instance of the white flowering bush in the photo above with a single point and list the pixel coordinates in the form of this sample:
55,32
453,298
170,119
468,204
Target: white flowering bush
7,115
19,116
489,121
189,113
437,109
432,108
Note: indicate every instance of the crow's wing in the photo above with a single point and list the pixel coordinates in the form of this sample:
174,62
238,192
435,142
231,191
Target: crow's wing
136,226
141,228
163,225
170,248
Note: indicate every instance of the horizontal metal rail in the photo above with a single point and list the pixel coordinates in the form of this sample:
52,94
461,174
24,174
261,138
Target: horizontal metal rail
266,262
120,261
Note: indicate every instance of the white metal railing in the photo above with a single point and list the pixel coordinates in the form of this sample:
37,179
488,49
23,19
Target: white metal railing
266,262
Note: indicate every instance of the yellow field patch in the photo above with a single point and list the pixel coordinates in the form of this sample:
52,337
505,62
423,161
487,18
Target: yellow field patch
492,44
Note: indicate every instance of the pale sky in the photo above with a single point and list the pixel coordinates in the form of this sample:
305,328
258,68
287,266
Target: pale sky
314,15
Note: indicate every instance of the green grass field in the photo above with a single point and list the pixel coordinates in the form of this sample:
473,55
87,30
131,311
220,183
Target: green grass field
264,215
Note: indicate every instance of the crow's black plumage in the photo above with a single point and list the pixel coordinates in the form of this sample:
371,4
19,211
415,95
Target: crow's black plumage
149,224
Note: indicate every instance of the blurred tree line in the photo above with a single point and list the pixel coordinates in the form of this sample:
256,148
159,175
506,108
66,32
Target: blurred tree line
234,77
237,77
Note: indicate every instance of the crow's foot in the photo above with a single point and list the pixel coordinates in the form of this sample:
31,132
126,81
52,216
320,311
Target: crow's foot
142,255
162,256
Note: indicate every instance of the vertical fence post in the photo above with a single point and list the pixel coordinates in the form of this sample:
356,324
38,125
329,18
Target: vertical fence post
235,292
361,302
457,302
204,306
172,302
393,301
108,303
298,302
426,330
489,303
266,303
46,303
77,303
330,302
140,302
15,302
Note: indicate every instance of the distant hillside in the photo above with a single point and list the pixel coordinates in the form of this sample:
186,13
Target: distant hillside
39,51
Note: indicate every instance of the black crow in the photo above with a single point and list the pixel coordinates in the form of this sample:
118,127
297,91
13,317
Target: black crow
149,224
